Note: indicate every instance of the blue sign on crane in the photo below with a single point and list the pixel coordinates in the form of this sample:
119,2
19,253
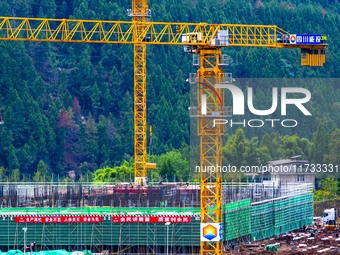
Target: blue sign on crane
305,39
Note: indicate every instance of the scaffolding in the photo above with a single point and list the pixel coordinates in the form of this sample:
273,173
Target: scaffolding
106,236
281,215
102,194
237,221
57,194
243,220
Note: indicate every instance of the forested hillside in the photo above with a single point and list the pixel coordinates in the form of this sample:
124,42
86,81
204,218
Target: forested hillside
70,106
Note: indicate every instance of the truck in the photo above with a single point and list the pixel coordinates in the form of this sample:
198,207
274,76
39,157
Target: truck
330,219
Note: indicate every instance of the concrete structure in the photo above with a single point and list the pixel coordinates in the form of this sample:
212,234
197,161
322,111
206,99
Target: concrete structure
250,212
285,172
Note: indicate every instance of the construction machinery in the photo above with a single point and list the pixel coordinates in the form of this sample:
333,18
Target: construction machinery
205,40
330,219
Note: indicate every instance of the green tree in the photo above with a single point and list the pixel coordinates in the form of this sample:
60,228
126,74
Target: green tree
329,189
107,174
167,171
86,177
48,8
3,176
91,134
41,175
320,145
173,166
13,162
239,151
103,140
334,148
113,174
234,151
15,175
125,171
331,185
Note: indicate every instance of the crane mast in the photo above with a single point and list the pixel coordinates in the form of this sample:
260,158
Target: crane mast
140,14
210,137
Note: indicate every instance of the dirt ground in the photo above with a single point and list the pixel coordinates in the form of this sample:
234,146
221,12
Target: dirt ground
324,242
320,206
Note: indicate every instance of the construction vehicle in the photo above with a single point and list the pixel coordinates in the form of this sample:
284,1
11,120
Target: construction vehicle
205,40
331,219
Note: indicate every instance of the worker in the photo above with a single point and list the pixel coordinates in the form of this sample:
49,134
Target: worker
32,247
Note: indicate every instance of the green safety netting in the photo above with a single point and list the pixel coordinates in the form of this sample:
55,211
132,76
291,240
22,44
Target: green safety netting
241,219
87,235
236,218
280,216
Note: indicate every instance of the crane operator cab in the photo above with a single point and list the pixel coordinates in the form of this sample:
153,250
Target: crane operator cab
197,38
312,46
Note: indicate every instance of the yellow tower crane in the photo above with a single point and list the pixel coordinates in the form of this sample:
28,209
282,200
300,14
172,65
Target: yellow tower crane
203,39
140,14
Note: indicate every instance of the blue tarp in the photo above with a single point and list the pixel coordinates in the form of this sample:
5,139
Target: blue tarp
54,252
13,252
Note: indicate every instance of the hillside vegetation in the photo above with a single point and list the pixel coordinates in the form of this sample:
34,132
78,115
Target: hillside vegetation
70,106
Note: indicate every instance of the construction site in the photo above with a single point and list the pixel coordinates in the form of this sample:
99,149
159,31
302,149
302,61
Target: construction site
125,220
120,219
209,217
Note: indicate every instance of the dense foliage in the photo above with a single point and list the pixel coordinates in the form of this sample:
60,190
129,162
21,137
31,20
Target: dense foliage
328,191
70,106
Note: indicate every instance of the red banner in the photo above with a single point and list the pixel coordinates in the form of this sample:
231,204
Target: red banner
58,219
151,219
98,219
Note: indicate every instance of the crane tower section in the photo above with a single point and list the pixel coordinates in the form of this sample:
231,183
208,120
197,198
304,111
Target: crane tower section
140,14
